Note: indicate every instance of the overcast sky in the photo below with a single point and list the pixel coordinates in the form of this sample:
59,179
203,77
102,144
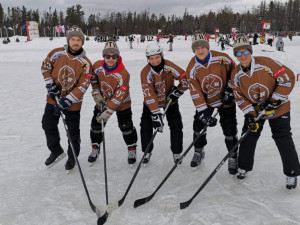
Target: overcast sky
166,7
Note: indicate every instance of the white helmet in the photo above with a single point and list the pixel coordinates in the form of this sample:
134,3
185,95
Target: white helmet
154,49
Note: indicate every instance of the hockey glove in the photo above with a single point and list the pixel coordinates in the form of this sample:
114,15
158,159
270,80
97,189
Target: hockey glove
271,106
227,96
105,115
251,123
97,96
174,94
62,105
53,90
205,117
157,121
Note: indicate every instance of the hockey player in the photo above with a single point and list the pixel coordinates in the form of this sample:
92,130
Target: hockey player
208,75
261,82
67,73
110,83
157,79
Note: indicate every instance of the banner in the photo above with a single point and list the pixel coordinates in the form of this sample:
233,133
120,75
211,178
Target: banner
32,30
267,25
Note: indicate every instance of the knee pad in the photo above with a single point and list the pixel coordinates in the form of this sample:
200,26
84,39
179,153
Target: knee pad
96,128
126,128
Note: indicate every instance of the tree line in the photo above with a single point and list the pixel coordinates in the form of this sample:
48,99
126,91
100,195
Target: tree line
284,16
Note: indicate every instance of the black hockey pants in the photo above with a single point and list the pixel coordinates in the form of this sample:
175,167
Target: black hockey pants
175,124
125,124
281,133
49,124
228,123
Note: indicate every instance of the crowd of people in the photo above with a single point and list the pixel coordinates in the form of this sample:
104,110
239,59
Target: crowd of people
256,85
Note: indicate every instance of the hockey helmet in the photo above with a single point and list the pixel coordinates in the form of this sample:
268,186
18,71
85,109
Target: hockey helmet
154,49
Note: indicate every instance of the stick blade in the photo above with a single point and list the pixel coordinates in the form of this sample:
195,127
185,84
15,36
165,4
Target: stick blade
101,220
184,205
139,202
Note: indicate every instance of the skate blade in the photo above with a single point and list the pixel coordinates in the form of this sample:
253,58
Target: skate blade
131,165
196,168
59,158
240,181
69,171
91,164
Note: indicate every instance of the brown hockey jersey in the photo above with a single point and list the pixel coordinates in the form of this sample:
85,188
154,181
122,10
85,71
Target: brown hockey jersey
156,86
113,85
267,78
72,75
207,82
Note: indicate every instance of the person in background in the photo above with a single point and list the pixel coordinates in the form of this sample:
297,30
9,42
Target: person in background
170,41
263,83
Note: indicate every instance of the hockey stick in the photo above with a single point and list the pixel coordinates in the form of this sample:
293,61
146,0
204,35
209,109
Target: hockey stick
120,202
94,208
185,204
142,201
102,219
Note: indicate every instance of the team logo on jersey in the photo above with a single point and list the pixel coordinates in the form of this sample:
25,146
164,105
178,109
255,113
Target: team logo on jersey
106,90
258,92
211,85
160,88
66,78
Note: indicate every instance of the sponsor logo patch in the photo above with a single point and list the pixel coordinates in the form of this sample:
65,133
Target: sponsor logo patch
222,61
85,66
279,71
123,88
183,75
195,96
116,102
82,89
240,102
150,101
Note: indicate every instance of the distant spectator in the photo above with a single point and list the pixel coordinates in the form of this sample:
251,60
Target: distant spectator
171,42
255,39
279,44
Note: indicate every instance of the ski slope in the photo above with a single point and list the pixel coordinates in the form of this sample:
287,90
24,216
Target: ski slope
31,194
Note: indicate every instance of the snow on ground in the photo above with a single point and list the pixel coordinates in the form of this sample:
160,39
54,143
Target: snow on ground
31,194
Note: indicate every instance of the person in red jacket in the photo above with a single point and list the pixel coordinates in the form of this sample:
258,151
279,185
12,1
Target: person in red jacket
261,82
67,74
110,83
